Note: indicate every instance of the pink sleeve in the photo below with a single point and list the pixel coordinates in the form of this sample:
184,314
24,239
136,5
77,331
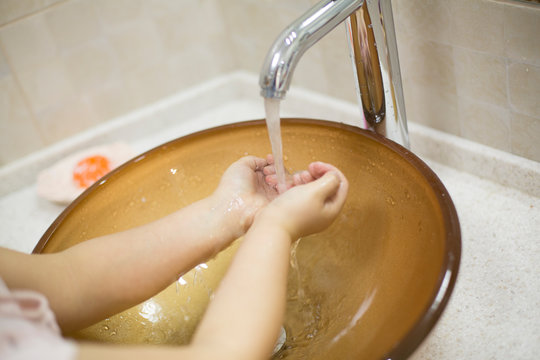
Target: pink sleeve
28,328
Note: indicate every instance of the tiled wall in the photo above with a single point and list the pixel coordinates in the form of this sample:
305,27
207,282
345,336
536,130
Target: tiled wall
68,65
470,67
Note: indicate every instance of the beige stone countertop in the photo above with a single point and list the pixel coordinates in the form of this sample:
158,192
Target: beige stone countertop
494,311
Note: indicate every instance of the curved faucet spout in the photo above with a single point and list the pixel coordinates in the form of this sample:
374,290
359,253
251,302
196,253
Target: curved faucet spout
372,43
291,44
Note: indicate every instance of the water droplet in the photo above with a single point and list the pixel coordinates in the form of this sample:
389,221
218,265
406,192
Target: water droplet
105,328
390,200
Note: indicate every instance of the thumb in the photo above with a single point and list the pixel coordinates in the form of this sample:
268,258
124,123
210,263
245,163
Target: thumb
327,185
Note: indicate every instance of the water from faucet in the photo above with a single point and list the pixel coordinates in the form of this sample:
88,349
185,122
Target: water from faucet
273,124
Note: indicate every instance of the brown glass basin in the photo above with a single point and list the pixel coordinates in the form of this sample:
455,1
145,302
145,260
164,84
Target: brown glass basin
369,287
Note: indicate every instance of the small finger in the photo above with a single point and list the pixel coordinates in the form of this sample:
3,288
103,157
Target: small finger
319,168
270,159
271,179
269,170
255,163
306,177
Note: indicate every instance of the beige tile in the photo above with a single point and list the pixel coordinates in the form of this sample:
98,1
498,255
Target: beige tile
69,118
253,27
4,66
194,23
478,25
18,133
429,64
200,62
14,9
137,45
73,23
91,66
46,85
429,20
481,76
525,136
432,107
485,123
521,29
116,13
524,88
28,42
112,100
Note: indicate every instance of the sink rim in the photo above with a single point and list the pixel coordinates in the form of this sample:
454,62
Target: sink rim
451,258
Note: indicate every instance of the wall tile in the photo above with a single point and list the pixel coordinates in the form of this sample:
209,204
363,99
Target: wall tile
137,45
117,13
521,29
478,25
28,43
427,19
14,9
480,76
253,27
432,107
111,100
18,133
525,136
46,86
485,123
524,88
73,23
70,118
428,63
91,66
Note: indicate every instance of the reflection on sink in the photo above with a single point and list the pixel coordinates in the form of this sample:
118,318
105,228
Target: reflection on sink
371,285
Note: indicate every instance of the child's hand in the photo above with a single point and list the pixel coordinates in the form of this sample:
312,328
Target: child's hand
312,202
244,191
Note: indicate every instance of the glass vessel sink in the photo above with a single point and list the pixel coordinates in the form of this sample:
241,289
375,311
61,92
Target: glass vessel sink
369,287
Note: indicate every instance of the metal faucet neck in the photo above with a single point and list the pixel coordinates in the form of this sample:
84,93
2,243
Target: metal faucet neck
373,50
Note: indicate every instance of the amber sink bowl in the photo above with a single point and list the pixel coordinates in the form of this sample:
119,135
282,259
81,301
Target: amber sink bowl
371,286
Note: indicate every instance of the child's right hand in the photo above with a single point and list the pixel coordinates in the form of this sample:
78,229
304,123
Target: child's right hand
311,204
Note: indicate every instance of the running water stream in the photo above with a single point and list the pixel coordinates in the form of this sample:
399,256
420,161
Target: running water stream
273,125
304,314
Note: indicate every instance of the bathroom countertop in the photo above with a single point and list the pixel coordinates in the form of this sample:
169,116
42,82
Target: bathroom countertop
494,311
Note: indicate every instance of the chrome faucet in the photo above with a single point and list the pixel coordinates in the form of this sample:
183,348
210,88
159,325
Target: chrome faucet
373,51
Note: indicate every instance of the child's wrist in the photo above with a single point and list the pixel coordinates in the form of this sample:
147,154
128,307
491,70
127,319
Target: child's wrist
230,217
273,221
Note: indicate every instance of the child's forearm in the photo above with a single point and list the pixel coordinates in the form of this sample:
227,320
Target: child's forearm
251,298
98,278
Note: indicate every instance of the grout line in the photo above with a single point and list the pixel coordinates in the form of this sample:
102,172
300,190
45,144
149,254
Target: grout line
32,13
27,103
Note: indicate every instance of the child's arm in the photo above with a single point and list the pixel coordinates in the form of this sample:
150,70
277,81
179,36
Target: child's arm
248,309
244,318
101,277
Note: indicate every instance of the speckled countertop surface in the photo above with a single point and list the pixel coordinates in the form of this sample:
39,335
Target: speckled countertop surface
494,312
